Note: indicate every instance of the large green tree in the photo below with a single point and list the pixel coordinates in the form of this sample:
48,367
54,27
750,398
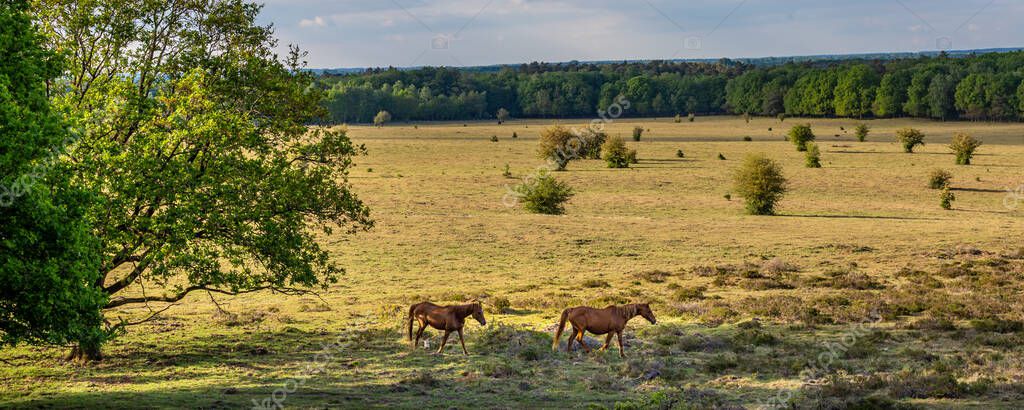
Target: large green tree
48,258
197,137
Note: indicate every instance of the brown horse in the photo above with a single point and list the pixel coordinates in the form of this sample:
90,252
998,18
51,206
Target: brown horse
611,320
447,318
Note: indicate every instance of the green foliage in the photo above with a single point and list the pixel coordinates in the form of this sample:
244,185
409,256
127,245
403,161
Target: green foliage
49,259
800,135
591,142
760,182
507,172
963,146
812,158
544,194
637,132
909,138
382,118
615,153
855,91
680,153
678,119
939,179
862,131
494,138
691,117
946,198
782,117
515,135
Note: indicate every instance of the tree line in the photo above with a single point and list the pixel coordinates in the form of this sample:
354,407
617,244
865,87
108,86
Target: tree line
975,87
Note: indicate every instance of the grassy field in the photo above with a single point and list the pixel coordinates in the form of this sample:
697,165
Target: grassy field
861,291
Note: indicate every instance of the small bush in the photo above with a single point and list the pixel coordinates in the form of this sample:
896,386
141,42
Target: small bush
559,145
812,158
721,157
514,135
507,172
782,117
680,154
596,283
862,131
761,184
678,119
381,118
615,153
637,133
800,135
909,138
631,157
939,179
544,194
494,138
964,146
946,198
498,304
692,117
687,294
747,139
591,142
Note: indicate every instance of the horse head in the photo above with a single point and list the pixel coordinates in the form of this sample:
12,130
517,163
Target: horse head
645,311
478,312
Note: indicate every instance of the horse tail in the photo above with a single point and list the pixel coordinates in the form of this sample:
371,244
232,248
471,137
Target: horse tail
561,327
412,315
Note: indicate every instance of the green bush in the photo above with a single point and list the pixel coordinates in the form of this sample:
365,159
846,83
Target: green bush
909,138
761,184
494,138
692,117
946,199
637,132
964,146
544,194
678,119
862,131
560,146
590,143
680,154
689,293
939,179
813,156
615,153
800,135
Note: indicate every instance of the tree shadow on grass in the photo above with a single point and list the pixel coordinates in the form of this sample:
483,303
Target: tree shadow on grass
897,218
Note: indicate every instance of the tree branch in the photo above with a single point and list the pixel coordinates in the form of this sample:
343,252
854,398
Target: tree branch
181,295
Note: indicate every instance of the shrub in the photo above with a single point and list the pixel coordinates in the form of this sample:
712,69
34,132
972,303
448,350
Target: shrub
800,135
494,138
631,157
964,146
813,156
595,283
502,115
615,153
721,157
590,143
746,117
761,184
637,132
560,146
514,135
689,293
862,132
782,117
381,118
692,117
544,194
507,173
679,118
680,154
748,139
909,138
498,304
939,179
946,199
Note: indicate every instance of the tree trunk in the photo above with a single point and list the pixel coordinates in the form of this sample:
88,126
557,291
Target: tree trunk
86,351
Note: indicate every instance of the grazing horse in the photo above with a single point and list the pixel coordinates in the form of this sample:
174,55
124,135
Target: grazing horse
611,320
447,318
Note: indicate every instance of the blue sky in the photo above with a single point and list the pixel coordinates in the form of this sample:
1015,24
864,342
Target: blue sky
361,33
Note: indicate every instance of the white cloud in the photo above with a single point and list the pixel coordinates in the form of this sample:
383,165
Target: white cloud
314,22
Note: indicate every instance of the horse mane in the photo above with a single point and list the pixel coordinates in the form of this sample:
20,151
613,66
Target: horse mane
628,311
465,310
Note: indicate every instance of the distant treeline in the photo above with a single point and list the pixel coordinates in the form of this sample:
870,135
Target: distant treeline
980,87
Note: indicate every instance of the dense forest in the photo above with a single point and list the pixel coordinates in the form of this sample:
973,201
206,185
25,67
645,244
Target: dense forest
976,87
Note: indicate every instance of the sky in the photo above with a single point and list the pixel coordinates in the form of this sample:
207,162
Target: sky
405,33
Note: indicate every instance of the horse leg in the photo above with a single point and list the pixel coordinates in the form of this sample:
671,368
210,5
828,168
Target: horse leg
444,340
568,346
607,341
463,342
419,333
621,354
582,343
